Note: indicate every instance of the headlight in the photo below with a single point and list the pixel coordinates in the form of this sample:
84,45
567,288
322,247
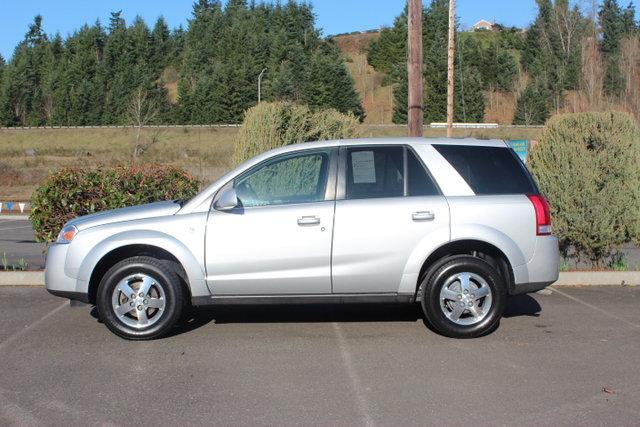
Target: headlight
67,234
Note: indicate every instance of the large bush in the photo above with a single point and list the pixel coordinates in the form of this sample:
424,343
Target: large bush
275,124
588,165
69,193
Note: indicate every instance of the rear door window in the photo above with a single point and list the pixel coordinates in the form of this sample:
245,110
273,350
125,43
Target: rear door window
381,172
489,170
419,181
374,172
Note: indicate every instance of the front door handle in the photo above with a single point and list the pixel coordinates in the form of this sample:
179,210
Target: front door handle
423,216
308,220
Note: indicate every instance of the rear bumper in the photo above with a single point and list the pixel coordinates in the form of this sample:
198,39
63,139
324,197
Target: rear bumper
525,288
55,279
542,269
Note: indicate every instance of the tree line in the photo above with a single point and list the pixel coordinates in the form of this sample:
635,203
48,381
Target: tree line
540,65
98,75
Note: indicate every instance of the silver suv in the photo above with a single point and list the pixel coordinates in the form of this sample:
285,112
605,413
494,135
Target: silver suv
456,225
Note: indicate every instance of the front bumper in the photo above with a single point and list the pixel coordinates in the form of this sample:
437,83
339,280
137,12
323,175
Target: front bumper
56,280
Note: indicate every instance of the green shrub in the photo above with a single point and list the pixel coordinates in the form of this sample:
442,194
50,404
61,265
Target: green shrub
588,166
69,193
275,124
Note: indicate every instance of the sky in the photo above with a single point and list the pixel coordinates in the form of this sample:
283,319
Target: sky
333,16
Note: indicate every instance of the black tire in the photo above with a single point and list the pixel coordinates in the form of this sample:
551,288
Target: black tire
163,276
438,275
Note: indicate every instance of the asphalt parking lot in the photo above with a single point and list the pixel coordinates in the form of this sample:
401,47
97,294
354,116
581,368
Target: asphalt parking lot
570,357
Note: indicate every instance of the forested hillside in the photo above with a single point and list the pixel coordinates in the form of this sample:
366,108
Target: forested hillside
374,88
567,60
122,73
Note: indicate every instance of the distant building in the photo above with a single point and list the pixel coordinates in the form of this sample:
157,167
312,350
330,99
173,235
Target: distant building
482,25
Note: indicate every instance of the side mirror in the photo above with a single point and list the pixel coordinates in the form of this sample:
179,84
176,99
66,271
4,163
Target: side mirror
227,200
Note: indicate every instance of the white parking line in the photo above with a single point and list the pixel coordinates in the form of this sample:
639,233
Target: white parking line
361,400
606,313
32,326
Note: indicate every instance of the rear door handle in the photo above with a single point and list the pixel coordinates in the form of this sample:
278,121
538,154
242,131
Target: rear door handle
423,216
308,220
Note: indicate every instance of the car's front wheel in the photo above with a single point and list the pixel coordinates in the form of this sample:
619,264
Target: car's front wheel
463,297
140,298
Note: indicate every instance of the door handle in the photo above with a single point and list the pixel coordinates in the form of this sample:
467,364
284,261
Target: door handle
308,220
423,216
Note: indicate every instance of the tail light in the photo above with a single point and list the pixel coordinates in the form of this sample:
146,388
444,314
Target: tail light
543,216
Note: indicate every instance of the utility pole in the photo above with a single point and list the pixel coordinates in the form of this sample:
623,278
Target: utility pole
450,66
259,84
414,68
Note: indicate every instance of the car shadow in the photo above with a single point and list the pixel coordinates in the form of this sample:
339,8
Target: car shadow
197,317
520,305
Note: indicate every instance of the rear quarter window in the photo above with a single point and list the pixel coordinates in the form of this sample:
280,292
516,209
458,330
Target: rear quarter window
489,170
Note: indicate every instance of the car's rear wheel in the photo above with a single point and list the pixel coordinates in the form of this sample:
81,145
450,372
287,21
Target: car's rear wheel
140,298
463,297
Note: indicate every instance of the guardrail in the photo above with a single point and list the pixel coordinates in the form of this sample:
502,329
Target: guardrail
118,127
432,126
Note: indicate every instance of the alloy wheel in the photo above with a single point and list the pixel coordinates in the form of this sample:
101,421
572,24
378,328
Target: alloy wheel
465,298
138,301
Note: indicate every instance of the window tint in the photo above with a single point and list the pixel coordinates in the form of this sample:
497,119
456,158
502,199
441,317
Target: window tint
375,172
298,178
420,183
489,170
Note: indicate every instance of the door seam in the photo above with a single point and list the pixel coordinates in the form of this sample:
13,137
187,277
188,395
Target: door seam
333,227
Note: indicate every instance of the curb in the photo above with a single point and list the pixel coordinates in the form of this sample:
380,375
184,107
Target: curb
593,278
22,278
10,216
567,278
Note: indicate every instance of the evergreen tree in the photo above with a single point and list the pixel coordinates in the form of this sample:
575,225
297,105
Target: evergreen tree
435,44
177,45
505,70
553,48
91,76
161,49
237,42
613,29
21,97
2,66
496,64
400,98
629,26
329,83
52,80
387,52
532,107
81,79
282,83
468,96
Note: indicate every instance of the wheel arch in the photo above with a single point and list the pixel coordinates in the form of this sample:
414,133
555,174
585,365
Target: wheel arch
121,253
150,243
477,248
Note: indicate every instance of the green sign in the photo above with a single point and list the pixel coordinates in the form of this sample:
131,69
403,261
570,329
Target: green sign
521,147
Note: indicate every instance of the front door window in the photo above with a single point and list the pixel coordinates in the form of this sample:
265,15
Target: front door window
290,179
